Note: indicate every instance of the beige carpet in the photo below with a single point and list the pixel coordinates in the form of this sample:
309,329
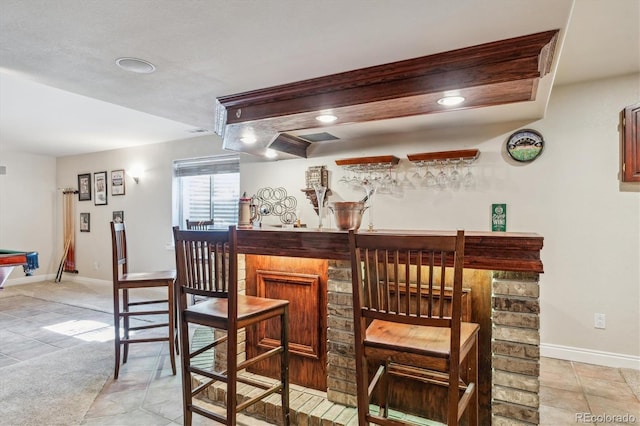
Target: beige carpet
54,389
58,386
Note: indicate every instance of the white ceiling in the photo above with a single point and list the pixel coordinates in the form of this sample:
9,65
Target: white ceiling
62,94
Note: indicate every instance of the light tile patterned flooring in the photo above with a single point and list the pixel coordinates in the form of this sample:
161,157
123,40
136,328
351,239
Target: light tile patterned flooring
148,394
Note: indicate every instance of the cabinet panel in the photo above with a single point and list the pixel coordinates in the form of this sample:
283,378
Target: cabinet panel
630,137
302,292
303,282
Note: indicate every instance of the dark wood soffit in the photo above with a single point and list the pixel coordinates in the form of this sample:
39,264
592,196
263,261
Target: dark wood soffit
489,74
476,97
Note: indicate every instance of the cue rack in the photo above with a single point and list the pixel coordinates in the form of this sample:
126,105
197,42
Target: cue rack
67,262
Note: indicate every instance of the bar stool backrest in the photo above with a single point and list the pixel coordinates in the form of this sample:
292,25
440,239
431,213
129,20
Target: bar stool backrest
119,249
395,269
206,262
199,224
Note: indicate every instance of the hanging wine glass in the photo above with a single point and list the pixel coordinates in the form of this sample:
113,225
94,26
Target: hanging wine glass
320,193
356,180
406,183
468,180
418,175
385,184
369,190
393,183
455,179
442,179
429,177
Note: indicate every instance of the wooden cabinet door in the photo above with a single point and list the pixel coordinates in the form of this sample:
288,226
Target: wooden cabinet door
630,136
303,282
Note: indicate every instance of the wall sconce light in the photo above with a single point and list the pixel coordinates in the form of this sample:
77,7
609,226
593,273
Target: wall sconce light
136,173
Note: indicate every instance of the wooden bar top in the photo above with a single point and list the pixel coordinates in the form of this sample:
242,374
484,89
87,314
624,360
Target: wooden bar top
500,251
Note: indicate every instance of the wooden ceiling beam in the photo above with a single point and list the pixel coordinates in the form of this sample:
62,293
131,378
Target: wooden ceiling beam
489,74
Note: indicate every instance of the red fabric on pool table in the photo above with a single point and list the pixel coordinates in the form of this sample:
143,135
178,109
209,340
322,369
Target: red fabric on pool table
14,259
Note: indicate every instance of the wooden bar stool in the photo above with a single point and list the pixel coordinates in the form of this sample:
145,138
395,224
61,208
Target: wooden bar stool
405,329
123,282
207,266
199,224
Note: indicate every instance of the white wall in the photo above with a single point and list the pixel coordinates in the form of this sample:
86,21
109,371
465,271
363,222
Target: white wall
27,208
147,205
570,195
591,222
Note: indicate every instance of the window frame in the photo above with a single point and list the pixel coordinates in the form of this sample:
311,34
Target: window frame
217,168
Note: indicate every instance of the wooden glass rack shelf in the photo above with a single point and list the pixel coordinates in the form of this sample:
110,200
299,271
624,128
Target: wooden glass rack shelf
364,162
463,154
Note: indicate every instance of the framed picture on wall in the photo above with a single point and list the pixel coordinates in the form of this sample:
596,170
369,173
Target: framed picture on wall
100,187
85,222
118,216
84,187
117,182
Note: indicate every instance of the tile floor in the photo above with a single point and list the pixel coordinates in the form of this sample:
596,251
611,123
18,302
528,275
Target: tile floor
148,394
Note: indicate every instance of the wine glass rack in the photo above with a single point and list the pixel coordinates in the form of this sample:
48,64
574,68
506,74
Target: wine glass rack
463,154
369,163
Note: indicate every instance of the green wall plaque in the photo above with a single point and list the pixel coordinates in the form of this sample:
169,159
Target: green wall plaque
499,217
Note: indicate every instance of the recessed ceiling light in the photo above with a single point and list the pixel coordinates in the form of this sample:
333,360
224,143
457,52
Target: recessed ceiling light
270,153
451,100
326,118
248,140
136,65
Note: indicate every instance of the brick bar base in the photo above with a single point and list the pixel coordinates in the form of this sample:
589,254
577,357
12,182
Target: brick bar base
515,348
341,368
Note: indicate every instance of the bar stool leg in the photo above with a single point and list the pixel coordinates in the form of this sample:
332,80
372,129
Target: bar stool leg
232,376
125,308
176,319
116,330
171,325
473,373
284,366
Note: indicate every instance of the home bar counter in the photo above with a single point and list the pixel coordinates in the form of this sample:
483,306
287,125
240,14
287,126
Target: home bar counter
501,272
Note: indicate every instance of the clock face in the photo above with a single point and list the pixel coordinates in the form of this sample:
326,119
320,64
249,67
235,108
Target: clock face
525,145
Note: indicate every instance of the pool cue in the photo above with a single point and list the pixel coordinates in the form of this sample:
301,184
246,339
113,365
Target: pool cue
65,230
64,257
70,261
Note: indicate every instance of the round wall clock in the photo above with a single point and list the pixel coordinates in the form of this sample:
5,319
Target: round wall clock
525,145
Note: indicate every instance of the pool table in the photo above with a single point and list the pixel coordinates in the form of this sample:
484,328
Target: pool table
11,258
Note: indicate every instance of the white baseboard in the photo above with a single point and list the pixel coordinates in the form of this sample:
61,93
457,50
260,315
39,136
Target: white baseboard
78,278
590,356
51,277
29,280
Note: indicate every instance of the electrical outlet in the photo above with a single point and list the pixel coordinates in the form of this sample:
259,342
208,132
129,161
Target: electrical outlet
96,265
599,321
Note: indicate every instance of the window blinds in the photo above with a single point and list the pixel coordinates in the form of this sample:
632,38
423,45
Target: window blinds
218,164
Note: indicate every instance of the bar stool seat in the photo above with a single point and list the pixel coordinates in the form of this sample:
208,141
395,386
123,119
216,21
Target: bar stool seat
426,341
